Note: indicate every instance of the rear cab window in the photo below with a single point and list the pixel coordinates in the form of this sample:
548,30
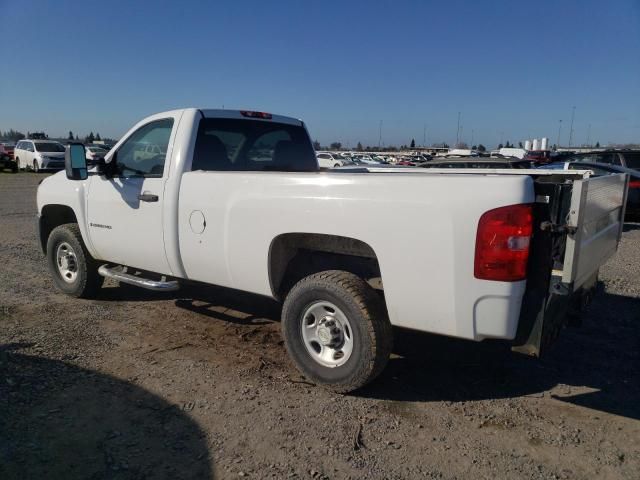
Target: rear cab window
226,144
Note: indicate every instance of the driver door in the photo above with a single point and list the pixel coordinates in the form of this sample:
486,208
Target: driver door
125,212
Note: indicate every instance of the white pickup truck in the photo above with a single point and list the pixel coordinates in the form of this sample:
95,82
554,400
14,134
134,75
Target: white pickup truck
236,198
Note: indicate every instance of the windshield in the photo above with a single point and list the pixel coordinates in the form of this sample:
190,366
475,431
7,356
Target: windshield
49,147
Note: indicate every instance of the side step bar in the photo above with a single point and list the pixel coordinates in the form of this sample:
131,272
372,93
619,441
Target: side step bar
120,273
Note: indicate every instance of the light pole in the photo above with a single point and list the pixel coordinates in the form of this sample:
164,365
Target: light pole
380,134
559,133
472,132
457,132
589,136
573,114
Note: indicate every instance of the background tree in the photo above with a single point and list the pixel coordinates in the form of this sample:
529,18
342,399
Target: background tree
520,145
98,136
359,147
316,145
89,138
336,146
77,137
482,148
413,143
500,146
597,144
13,135
475,147
70,137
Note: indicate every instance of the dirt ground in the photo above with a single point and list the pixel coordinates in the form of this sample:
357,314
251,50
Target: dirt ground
197,384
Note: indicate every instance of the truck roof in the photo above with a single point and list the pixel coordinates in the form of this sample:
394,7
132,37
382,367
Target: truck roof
250,114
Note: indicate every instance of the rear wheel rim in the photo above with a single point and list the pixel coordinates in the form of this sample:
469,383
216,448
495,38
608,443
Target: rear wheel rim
327,334
67,262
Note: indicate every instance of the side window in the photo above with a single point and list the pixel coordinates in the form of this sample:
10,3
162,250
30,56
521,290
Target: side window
18,146
632,160
144,153
31,147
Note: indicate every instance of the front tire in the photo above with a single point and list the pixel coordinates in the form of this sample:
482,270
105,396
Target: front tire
336,330
36,169
74,270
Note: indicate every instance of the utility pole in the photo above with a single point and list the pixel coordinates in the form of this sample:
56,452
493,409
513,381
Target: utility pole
380,134
589,136
457,132
573,114
472,131
424,136
559,133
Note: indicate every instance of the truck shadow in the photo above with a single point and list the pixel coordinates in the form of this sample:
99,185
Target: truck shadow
603,356
61,421
596,366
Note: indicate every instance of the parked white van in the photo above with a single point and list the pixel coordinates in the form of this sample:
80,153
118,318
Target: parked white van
37,155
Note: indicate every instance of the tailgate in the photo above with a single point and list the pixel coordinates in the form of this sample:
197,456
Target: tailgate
595,222
577,227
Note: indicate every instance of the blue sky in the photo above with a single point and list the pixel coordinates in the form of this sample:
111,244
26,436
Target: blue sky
513,68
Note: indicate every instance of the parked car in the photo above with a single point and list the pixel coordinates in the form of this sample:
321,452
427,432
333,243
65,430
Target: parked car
94,153
329,160
406,162
7,149
37,155
331,245
539,156
6,157
633,194
622,158
479,162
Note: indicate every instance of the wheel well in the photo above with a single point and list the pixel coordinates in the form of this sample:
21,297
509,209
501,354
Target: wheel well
51,217
293,256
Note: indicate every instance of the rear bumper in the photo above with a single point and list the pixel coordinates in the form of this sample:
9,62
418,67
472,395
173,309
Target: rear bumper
52,165
540,327
6,162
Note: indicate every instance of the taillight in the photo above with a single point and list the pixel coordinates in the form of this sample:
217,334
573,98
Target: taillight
634,184
502,243
264,115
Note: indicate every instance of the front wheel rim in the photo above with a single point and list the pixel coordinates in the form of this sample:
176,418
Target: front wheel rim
67,262
327,334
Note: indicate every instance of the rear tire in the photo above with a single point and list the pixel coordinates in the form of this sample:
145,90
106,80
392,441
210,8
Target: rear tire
74,270
336,330
35,167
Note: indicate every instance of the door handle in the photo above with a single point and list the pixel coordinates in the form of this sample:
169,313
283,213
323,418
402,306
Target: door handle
148,197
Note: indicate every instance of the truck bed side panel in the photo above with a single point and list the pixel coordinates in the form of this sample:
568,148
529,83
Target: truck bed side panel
422,229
